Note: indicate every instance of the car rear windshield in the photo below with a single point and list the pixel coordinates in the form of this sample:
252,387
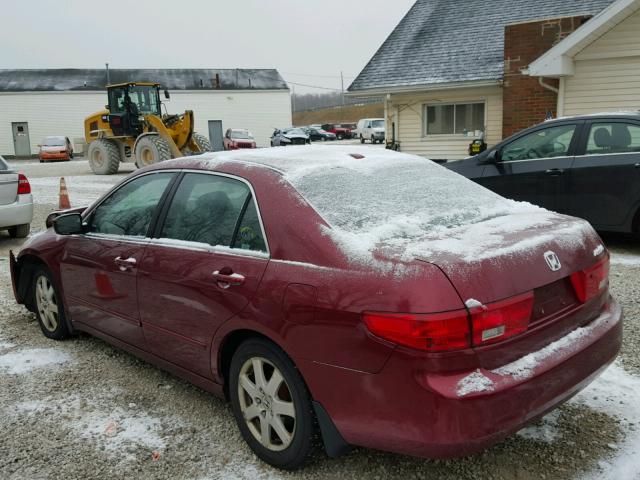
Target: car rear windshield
3,164
361,194
53,142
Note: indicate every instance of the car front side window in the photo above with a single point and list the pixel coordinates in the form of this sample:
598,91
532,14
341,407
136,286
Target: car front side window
547,143
129,210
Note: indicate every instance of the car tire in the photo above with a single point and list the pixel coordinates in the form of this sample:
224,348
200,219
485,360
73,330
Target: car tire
361,139
104,157
48,305
202,142
340,137
150,150
373,140
261,395
20,231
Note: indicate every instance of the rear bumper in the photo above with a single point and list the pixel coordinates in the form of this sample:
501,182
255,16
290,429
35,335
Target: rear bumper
409,411
19,212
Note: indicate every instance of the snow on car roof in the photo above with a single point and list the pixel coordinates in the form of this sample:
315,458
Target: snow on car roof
405,204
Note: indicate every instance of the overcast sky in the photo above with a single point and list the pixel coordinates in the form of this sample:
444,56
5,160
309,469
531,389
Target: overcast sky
309,42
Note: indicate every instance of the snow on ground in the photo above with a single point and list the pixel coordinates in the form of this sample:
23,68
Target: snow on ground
117,430
617,394
24,361
625,259
545,431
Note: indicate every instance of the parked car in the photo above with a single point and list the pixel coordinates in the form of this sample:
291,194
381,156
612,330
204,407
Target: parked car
432,318
319,134
586,166
289,136
55,149
340,131
16,202
235,139
372,129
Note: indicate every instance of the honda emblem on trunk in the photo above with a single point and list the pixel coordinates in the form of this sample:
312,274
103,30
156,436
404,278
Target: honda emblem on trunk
553,261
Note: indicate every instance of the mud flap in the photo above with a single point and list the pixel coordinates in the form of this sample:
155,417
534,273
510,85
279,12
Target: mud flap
334,444
13,267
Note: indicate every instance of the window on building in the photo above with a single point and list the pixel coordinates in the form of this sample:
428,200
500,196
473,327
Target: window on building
451,119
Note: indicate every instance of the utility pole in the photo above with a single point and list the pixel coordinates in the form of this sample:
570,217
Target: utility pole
342,86
293,98
108,76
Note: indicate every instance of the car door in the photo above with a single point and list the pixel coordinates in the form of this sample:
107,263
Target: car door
604,180
532,167
203,266
99,268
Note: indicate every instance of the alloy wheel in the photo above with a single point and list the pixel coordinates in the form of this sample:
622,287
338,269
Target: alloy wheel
266,404
47,303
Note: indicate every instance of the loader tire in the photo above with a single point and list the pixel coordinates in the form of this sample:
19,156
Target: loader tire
104,157
150,150
202,142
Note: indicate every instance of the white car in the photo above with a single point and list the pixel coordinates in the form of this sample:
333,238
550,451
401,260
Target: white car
16,202
372,129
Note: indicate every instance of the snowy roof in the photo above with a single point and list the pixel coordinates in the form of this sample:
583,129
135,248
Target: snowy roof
68,79
452,41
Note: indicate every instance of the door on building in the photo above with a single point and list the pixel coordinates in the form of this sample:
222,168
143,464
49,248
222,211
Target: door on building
215,135
21,144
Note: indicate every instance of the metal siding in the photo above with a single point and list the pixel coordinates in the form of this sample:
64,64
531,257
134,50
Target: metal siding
62,113
452,147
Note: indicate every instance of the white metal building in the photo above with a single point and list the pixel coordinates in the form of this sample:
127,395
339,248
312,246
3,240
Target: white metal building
39,103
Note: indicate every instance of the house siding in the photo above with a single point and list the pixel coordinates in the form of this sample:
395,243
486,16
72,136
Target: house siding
407,111
63,113
607,72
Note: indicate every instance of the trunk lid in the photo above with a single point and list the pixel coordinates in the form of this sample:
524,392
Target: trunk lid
520,262
8,187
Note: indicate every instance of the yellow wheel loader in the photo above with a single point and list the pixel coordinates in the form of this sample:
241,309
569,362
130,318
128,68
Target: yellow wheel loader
132,128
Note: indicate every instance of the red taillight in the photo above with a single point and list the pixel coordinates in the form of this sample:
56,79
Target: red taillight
590,282
498,321
23,185
436,332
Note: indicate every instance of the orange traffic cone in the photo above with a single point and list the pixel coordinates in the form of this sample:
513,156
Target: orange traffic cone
64,196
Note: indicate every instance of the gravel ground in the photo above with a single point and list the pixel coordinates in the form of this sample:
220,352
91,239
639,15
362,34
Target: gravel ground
82,409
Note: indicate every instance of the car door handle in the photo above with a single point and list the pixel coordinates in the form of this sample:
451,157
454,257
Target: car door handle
125,264
227,280
554,172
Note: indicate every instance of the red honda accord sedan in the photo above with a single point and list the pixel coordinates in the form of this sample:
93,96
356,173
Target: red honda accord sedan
371,297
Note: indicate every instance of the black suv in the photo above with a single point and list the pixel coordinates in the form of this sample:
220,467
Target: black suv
586,166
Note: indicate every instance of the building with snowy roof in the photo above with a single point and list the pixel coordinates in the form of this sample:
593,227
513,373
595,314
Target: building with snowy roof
456,70
39,103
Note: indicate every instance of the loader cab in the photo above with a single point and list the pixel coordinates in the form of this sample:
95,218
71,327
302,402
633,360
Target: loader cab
128,102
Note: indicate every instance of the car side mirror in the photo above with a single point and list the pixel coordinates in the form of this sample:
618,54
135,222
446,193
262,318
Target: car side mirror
166,94
493,157
68,224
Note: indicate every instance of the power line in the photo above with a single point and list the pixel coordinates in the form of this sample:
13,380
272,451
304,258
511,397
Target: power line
314,75
314,86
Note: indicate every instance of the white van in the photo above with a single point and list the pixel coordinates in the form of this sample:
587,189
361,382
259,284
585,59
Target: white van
372,129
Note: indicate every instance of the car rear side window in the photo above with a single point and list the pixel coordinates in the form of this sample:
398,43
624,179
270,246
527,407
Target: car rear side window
205,209
249,233
547,143
613,137
129,210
